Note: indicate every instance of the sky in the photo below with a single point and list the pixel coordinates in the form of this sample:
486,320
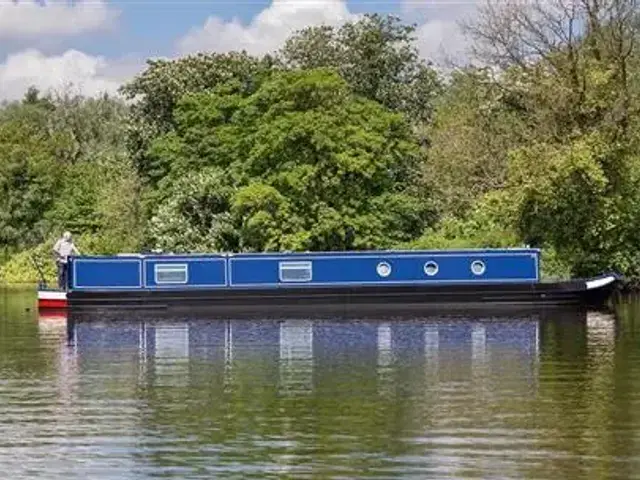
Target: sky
93,46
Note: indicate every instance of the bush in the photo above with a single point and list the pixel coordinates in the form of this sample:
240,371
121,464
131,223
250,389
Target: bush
20,268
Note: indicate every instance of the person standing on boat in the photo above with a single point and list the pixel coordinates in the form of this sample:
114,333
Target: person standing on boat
62,249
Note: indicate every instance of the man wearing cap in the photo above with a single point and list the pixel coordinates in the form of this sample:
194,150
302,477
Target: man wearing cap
62,249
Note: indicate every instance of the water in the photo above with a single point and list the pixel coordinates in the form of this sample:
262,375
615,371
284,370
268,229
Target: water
554,395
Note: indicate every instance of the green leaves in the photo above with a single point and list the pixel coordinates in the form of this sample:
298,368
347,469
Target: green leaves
564,198
347,139
194,215
63,167
305,163
376,56
164,83
29,177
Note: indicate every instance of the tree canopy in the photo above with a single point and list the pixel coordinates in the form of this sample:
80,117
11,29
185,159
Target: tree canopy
301,164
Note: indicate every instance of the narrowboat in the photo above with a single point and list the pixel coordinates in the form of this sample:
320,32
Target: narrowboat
233,283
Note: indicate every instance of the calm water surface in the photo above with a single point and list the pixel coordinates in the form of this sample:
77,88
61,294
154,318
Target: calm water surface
554,395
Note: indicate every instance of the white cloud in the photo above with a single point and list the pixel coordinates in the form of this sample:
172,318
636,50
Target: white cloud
84,73
439,35
32,18
268,30
441,41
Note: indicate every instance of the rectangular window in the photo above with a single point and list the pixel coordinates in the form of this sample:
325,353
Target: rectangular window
295,271
169,273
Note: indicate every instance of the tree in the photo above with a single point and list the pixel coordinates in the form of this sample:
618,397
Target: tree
565,199
377,56
569,60
194,214
87,128
553,128
29,175
301,164
472,132
63,166
158,89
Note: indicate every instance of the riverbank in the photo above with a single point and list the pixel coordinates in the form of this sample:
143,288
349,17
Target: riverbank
629,286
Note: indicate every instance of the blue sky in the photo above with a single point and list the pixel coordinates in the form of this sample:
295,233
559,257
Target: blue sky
95,45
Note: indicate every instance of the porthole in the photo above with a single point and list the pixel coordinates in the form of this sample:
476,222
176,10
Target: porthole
383,269
431,268
478,267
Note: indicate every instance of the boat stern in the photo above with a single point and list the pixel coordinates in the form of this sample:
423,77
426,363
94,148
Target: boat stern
52,299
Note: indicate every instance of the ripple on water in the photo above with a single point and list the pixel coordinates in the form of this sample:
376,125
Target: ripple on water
427,398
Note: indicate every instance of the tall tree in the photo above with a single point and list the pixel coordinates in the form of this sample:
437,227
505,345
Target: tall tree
158,89
300,164
566,73
564,198
568,61
471,135
377,56
63,166
29,177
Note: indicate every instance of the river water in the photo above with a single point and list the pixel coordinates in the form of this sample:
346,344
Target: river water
550,395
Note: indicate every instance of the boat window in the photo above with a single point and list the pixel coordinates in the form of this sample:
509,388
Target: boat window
478,267
295,271
170,273
431,268
383,269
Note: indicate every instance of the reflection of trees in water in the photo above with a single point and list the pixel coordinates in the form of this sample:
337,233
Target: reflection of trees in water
576,396
22,352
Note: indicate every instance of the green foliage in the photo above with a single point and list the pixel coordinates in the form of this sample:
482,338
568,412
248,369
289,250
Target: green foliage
554,131
194,215
347,139
21,268
553,266
63,166
471,136
377,57
99,198
301,164
565,198
487,225
29,176
164,83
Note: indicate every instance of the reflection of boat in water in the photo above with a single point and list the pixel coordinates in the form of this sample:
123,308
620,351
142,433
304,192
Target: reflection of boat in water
299,347
53,315
297,357
53,319
141,329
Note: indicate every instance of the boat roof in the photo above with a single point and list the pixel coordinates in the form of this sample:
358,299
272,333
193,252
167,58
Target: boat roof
462,251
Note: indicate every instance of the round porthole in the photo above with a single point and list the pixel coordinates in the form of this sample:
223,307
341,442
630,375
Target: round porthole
383,269
431,268
478,267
